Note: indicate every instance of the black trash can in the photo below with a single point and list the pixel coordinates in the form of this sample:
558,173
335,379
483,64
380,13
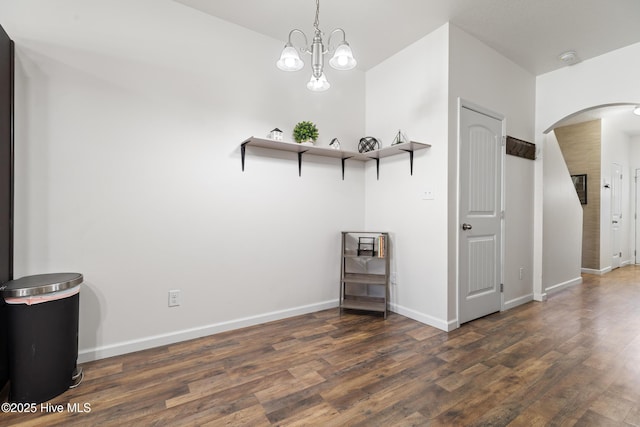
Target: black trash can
42,332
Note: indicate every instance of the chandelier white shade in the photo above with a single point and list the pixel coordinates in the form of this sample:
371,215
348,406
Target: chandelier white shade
318,84
342,58
289,59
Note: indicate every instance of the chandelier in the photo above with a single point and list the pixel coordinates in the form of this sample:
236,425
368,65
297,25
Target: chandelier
342,58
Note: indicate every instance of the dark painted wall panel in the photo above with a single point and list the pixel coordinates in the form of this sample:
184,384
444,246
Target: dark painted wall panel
6,186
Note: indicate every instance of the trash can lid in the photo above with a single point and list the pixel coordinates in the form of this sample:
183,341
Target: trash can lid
40,284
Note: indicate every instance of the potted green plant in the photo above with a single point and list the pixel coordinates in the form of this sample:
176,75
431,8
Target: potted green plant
305,133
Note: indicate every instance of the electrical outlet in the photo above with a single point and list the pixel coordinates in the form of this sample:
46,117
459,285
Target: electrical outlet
427,194
394,278
174,298
521,272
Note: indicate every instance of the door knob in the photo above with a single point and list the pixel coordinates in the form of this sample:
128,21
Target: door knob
466,226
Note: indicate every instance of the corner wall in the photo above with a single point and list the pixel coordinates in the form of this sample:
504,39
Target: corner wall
581,149
484,77
128,170
562,222
417,90
409,91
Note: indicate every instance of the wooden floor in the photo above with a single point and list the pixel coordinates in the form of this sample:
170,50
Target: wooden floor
572,360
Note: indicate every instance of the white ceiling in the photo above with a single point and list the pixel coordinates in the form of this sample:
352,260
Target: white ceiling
532,33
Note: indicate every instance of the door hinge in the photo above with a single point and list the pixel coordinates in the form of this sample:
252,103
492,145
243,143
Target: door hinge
504,140
501,214
501,287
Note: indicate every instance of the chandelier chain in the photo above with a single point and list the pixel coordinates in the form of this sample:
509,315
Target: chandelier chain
316,23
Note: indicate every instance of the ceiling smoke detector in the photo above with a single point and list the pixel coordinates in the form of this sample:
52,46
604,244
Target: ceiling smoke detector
569,57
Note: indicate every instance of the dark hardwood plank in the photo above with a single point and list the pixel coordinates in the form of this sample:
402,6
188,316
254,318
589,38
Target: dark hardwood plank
572,360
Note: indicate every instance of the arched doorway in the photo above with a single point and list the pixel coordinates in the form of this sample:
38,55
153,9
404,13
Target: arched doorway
609,212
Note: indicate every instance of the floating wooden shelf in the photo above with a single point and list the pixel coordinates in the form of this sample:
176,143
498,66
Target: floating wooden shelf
300,149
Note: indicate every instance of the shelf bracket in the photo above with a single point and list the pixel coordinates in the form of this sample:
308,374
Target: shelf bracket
377,168
300,153
343,159
243,149
410,159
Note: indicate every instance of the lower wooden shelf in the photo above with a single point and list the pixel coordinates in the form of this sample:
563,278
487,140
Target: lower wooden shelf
364,305
374,279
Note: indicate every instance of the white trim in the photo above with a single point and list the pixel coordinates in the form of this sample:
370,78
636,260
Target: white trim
463,103
540,297
636,221
564,285
598,272
517,301
87,355
584,110
626,262
443,325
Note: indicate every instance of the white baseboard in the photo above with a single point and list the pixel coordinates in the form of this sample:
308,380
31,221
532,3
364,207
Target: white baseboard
540,297
517,301
424,318
598,272
101,352
560,286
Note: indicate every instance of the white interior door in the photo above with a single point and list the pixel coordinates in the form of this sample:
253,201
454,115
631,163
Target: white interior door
616,215
480,233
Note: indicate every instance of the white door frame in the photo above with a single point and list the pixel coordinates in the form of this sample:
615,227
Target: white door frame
616,217
463,103
636,221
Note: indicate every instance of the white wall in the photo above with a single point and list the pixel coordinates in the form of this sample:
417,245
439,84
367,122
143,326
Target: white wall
409,91
562,251
482,76
606,79
519,208
129,121
128,169
417,90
